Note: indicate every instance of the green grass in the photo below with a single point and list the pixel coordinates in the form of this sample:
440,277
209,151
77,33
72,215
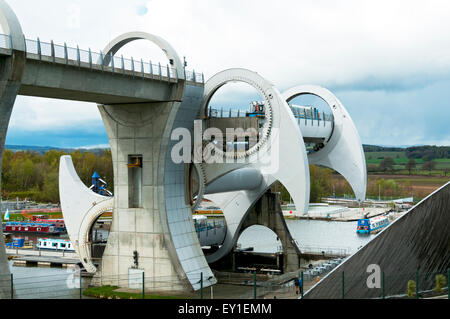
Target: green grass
442,163
17,217
108,292
401,160
377,157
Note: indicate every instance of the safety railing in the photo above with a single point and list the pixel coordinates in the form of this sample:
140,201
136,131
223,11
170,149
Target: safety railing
5,41
137,284
221,113
210,225
37,49
76,285
326,251
310,114
306,115
211,233
195,76
401,285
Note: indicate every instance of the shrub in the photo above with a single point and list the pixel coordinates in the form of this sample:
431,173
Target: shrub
411,289
440,283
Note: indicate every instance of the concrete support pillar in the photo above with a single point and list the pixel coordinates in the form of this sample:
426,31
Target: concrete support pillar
267,212
151,216
8,92
11,70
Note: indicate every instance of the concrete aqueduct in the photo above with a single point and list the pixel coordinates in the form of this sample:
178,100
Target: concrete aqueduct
142,106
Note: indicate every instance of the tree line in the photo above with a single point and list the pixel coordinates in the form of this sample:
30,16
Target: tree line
35,176
32,175
426,152
325,182
387,165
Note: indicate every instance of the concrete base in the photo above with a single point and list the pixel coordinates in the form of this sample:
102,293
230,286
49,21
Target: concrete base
419,241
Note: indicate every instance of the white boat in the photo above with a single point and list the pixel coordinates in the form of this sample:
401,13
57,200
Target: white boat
372,225
55,244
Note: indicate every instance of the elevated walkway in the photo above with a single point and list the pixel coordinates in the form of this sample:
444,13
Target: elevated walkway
314,128
58,71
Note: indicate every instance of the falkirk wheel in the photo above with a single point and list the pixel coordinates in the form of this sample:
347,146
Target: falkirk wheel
150,118
160,228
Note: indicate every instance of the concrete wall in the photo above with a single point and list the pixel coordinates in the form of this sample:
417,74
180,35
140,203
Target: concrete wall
419,240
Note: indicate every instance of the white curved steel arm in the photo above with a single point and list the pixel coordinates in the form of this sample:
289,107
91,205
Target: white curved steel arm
280,155
120,41
344,151
11,26
280,152
91,216
79,205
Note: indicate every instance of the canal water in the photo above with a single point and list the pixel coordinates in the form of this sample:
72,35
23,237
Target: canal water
36,282
309,234
45,282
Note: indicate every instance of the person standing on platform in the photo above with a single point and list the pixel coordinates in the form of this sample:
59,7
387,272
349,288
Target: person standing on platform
297,285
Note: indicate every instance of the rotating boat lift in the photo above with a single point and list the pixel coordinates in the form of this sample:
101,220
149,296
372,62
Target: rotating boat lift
283,143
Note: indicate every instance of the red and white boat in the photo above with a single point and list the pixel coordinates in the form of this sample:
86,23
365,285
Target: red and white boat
29,227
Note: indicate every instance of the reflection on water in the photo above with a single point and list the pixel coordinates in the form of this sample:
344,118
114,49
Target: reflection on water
48,282
44,282
312,233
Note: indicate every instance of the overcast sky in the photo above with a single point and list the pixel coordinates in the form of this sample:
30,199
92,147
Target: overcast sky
387,61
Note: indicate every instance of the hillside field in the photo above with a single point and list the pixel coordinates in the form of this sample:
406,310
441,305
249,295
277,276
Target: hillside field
400,160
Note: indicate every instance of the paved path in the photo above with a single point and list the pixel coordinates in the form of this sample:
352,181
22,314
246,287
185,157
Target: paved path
47,253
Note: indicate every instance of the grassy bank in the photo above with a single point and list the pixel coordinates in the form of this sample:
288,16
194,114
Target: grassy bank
19,217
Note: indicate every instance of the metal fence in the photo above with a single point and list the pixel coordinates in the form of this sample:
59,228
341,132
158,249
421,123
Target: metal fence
132,286
306,114
5,41
403,285
37,49
326,251
212,233
75,286
253,286
221,113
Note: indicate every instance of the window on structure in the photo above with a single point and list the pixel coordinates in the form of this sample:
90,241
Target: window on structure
135,181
